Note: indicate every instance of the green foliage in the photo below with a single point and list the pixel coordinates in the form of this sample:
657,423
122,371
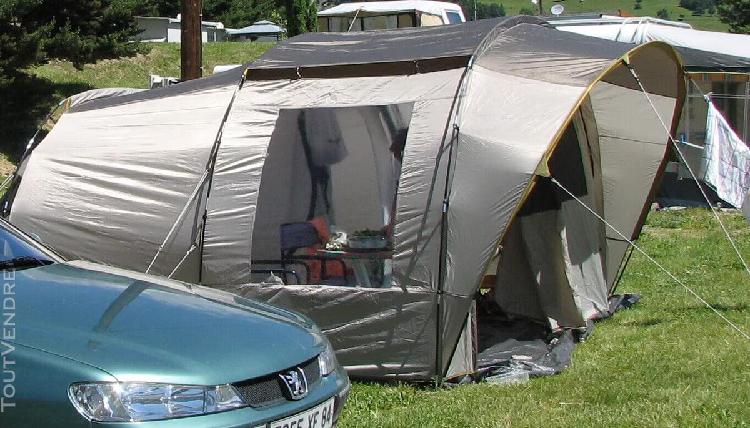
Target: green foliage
232,13
301,16
239,13
150,7
662,13
526,11
484,10
83,31
699,7
736,13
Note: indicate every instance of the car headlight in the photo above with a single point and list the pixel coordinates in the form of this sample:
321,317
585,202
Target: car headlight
327,360
134,402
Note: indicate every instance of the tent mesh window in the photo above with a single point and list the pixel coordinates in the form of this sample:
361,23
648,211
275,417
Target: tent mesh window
337,168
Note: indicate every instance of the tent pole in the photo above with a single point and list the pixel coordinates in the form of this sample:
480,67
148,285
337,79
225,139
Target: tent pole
621,271
210,169
443,256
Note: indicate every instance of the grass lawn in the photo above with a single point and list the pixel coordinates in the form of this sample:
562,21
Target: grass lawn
669,361
163,59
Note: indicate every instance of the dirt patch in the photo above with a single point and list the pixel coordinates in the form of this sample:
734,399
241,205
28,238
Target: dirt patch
6,166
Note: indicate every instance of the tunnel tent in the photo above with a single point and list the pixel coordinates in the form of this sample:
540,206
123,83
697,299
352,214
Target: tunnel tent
481,146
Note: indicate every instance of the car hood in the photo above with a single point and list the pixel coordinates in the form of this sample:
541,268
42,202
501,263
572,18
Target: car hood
142,328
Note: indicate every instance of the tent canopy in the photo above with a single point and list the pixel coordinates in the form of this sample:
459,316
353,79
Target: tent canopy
445,139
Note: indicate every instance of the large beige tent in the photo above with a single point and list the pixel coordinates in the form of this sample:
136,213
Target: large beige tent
459,142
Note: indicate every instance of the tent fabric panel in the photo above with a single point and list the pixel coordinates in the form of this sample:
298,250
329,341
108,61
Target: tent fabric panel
543,241
516,289
584,235
383,46
550,55
654,63
235,186
624,145
416,235
226,79
86,196
454,312
493,170
711,62
377,333
616,250
463,362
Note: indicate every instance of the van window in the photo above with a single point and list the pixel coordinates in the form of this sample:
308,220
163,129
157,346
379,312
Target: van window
429,20
406,20
382,22
453,17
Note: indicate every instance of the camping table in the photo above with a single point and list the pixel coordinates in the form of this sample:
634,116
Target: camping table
358,258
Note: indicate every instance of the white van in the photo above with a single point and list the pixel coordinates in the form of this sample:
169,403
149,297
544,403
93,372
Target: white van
381,15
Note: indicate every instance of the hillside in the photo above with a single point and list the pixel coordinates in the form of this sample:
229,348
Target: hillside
648,8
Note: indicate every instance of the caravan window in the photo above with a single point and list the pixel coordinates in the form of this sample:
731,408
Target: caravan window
331,174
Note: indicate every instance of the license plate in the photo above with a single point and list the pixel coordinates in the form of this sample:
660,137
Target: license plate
320,416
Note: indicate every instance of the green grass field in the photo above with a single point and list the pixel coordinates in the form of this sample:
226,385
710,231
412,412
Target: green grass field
163,59
667,362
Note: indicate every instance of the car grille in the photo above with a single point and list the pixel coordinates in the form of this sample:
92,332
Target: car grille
268,390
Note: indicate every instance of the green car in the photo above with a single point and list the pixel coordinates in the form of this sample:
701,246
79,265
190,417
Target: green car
85,345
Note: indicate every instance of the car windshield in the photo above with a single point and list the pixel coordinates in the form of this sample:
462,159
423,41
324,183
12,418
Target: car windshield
17,252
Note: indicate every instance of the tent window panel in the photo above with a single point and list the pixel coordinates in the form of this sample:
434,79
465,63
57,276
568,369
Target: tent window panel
333,174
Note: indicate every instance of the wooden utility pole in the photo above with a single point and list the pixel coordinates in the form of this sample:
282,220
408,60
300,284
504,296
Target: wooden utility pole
191,49
541,10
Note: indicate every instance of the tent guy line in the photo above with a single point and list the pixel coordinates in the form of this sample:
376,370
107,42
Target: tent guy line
652,260
689,168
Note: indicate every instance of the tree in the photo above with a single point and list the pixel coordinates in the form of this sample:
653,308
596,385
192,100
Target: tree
736,13
82,31
238,13
662,13
484,10
301,16
150,7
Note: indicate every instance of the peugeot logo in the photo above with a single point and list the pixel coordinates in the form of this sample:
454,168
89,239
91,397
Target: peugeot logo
295,382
